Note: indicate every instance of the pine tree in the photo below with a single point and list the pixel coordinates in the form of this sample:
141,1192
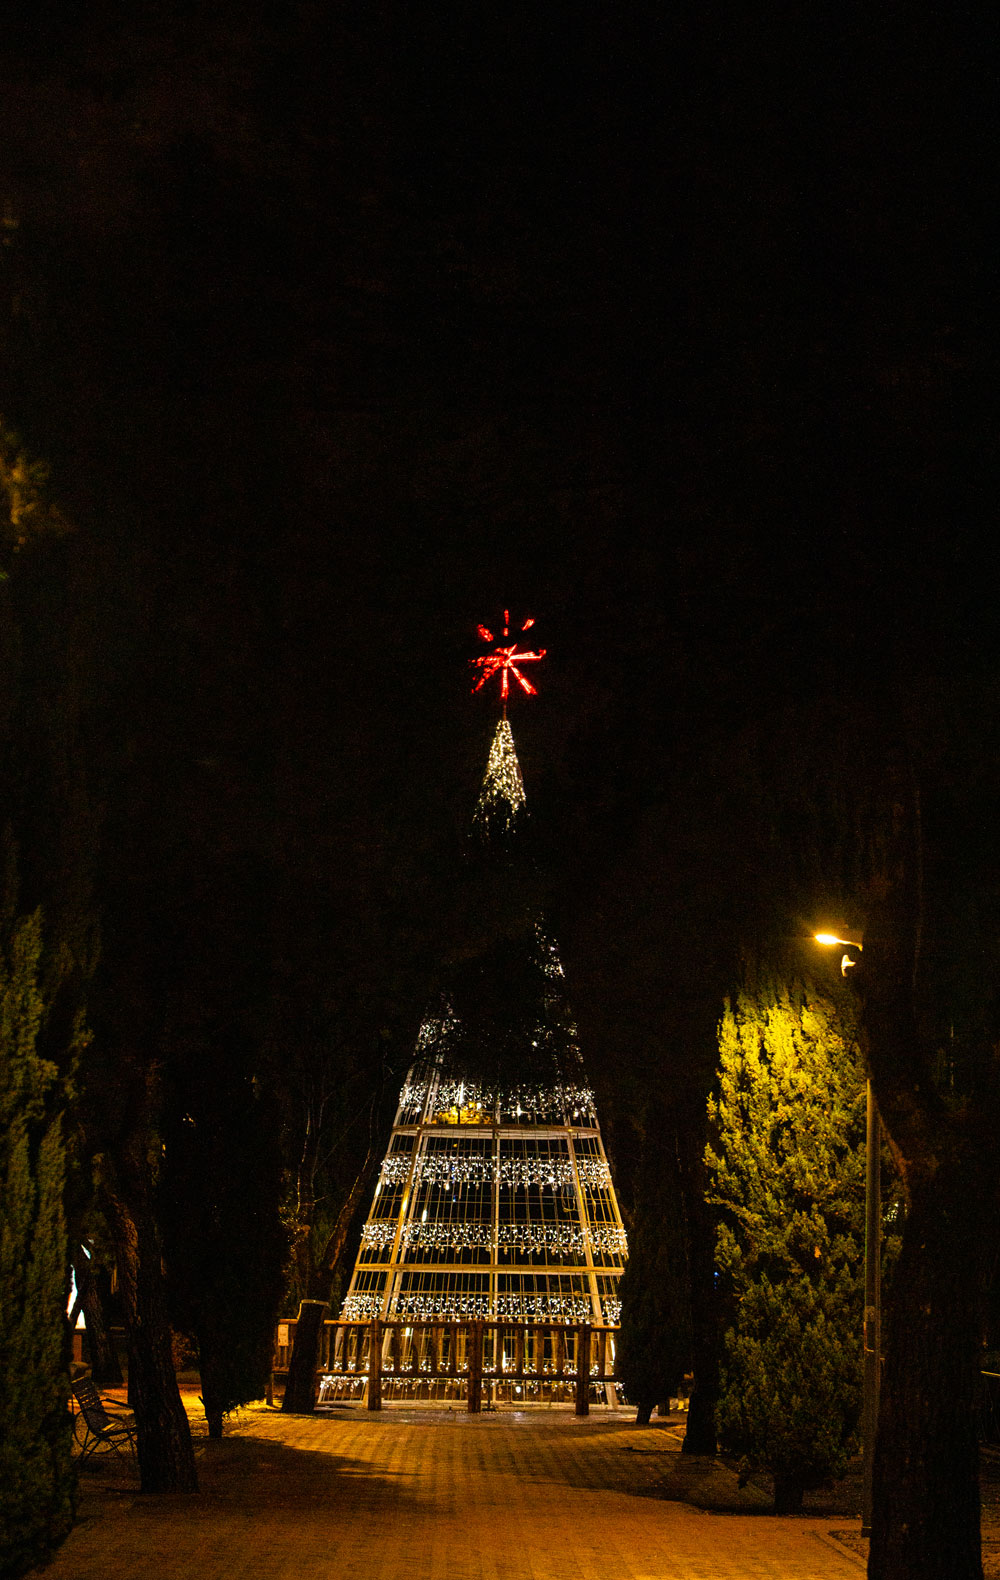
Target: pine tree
36,1473
788,1170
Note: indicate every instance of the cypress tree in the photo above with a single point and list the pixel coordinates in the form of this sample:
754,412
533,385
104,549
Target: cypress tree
36,1472
223,1236
654,1346
788,1176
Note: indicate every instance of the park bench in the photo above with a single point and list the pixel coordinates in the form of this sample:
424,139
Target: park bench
101,1423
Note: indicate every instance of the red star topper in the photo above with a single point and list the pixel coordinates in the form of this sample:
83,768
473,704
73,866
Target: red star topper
504,660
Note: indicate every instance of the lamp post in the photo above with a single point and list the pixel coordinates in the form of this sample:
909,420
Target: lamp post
873,1270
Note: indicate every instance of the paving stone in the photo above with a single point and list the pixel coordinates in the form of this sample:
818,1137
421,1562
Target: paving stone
432,1495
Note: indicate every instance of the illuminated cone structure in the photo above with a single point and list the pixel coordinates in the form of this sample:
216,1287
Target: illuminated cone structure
495,1199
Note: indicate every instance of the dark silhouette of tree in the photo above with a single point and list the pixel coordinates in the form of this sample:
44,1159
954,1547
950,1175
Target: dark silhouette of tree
930,1016
220,1201
655,1343
36,1474
48,951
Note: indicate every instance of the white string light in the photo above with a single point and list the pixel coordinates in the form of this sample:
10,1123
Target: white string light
361,1308
527,1239
396,1168
467,1236
609,1239
593,1172
502,795
379,1233
539,1170
481,1211
527,1104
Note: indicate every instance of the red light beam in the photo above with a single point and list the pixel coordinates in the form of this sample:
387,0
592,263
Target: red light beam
504,661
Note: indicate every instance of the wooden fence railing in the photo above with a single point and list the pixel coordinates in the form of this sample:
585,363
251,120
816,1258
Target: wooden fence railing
474,1355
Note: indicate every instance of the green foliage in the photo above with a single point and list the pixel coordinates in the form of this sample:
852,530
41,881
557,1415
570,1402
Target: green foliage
654,1346
788,1180
36,1475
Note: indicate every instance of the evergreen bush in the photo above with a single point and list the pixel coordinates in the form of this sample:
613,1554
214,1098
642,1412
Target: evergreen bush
788,1182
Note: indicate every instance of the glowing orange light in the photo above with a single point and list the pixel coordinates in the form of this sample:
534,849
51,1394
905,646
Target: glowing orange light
504,661
846,962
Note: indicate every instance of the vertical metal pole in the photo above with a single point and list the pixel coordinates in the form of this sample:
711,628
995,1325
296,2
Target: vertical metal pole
475,1366
493,1310
873,1307
583,1369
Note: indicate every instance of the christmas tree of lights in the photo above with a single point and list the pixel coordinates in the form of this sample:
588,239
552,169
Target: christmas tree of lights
495,1199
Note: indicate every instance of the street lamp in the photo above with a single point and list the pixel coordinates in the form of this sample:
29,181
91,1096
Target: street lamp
873,1271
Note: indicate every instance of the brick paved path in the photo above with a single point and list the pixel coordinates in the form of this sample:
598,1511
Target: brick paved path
422,1495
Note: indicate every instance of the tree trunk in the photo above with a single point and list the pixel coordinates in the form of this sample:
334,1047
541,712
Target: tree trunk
214,1418
166,1455
105,1367
699,1432
300,1389
212,1396
643,1413
925,1514
925,1523
788,1491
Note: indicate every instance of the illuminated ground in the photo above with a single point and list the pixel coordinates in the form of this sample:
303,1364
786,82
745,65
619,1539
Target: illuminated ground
441,1496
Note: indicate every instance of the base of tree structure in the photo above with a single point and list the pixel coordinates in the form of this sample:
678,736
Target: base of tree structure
788,1493
300,1389
699,1433
643,1413
214,1418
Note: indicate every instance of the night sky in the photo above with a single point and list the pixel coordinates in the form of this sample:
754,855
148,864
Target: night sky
346,327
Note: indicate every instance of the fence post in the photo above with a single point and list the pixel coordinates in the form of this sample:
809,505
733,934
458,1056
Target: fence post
475,1355
375,1364
602,1355
583,1369
269,1393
